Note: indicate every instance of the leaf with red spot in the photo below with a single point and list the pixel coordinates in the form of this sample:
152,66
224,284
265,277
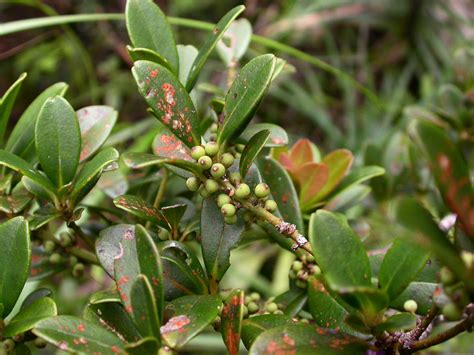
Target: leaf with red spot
231,320
252,327
252,150
305,339
96,123
167,145
41,267
168,99
449,169
141,209
73,334
144,308
188,316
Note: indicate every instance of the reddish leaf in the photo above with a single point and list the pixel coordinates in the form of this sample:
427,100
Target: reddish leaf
231,324
311,178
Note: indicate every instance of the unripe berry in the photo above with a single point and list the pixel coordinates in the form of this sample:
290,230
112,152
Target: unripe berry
211,186
78,270
8,345
315,270
192,183
40,343
304,320
230,220
49,246
18,338
309,258
217,170
228,210
252,307
239,147
73,260
227,159
247,300
242,191
270,205
245,311
211,148
451,312
297,265
262,190
205,162
197,152
55,258
278,311
410,306
222,199
203,192
271,307
255,296
446,276
300,283
65,239
213,128
235,177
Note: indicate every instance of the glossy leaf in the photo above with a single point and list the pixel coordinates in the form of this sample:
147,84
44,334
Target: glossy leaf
173,215
167,145
311,178
400,266
21,141
278,136
91,172
148,345
149,55
58,140
450,171
305,339
251,151
141,160
282,189
397,322
148,28
252,327
144,308
235,42
6,104
15,261
108,246
37,190
14,203
421,292
231,320
211,41
244,96
74,334
217,239
30,315
348,197
303,151
35,296
96,123
189,316
292,301
187,56
40,218
113,183
169,100
141,209
357,176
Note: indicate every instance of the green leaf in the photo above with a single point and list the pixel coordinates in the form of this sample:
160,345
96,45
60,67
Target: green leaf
244,96
278,136
15,261
58,140
41,217
400,266
422,229
282,189
21,141
254,326
30,315
235,42
23,167
149,55
148,28
347,198
190,315
96,123
144,307
217,239
292,301
141,160
170,102
74,334
141,209
251,151
305,339
91,172
210,43
148,345
187,56
450,170
173,215
167,145
397,322
14,203
112,315
37,190
6,104
35,296
357,176
231,320
421,292
108,245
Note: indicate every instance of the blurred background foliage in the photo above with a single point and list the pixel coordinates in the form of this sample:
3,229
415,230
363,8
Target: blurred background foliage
415,55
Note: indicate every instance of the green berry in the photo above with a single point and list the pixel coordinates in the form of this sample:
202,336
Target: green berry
292,274
8,345
203,192
451,312
309,258
163,234
192,183
255,296
239,147
242,191
410,306
235,177
228,210
213,128
297,265
300,284
18,338
55,258
315,270
262,190
271,206
230,220
247,300
78,270
227,159
205,162
197,152
217,170
245,311
73,260
271,307
211,186
49,246
65,239
252,307
304,320
278,311
446,276
222,199
40,343
211,148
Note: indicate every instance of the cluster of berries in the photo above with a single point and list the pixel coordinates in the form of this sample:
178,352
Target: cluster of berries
217,177
302,269
56,247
